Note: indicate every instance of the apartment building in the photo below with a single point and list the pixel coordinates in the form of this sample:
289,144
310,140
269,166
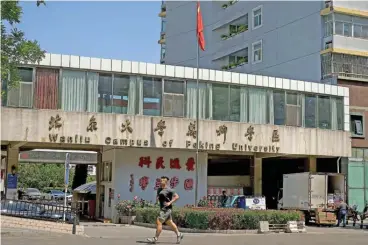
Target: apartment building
324,38
321,41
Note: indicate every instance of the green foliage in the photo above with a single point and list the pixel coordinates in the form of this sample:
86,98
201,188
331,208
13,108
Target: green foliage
80,176
219,218
42,176
15,48
91,178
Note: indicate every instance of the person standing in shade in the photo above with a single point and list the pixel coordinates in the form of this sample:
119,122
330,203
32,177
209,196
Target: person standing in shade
166,197
224,199
343,209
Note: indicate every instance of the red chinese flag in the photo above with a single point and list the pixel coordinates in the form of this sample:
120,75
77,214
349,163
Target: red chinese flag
200,34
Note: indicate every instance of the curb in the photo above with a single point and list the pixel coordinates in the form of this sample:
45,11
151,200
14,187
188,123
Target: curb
187,230
103,225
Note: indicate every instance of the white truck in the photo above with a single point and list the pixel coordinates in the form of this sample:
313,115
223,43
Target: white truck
315,194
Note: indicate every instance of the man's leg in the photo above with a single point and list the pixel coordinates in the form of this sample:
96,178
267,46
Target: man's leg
158,230
173,226
344,220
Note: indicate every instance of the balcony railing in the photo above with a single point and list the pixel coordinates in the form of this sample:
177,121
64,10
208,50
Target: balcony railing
344,66
228,4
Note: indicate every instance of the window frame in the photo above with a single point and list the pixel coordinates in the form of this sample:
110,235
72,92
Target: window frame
32,82
253,51
184,81
353,135
260,7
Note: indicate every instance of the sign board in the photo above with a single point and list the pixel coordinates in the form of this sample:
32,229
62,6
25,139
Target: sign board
67,168
12,181
256,203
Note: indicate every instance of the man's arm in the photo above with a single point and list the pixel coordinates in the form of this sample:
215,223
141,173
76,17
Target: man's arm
174,198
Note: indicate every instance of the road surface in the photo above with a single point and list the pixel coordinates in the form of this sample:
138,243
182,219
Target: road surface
137,235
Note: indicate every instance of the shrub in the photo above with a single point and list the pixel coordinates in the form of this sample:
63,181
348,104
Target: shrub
128,207
219,218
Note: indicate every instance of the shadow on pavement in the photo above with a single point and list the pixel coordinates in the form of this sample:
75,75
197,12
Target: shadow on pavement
145,242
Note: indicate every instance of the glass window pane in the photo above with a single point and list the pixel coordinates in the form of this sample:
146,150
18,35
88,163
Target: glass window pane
220,102
359,153
310,111
120,95
366,159
105,93
25,74
174,87
292,99
279,107
234,103
324,112
152,96
347,29
358,29
340,113
339,28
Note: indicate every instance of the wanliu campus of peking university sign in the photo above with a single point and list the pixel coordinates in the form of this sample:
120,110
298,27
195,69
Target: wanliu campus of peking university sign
57,127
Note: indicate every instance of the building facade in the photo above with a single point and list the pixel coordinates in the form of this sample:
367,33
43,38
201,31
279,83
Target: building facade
257,37
357,167
140,118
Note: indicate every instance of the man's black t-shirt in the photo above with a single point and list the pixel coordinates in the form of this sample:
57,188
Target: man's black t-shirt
165,195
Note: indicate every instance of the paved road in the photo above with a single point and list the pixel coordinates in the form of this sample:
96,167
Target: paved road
137,235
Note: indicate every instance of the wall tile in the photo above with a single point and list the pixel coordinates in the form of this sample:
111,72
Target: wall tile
259,80
347,127
314,87
46,61
294,85
333,90
226,76
170,71
251,79
218,76
195,73
346,91
143,68
65,60
56,60
235,77
286,84
205,74
106,64
321,88
212,75
188,72
94,63
135,67
74,61
272,82
151,69
308,86
265,81
327,88
160,70
179,71
301,86
278,82
126,66
340,91
346,101
116,65
243,78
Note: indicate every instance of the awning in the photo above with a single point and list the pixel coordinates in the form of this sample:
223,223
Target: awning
87,188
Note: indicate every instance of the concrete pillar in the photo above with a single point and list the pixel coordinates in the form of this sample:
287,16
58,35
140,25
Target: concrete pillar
12,165
257,176
311,164
98,182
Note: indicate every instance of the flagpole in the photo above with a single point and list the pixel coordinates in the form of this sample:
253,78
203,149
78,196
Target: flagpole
197,126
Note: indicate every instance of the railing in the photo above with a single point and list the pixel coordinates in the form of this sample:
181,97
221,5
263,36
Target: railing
40,210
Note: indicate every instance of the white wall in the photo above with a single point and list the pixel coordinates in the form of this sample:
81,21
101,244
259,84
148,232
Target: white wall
127,163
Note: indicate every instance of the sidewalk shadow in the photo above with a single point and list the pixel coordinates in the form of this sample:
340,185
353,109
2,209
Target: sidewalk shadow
145,242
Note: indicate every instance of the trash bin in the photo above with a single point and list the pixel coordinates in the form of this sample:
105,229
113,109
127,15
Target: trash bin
241,202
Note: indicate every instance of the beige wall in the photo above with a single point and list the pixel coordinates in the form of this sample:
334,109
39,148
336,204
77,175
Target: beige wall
33,126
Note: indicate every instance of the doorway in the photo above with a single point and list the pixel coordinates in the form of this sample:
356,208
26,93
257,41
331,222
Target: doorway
106,201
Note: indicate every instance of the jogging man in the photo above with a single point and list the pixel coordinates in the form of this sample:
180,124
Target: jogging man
166,197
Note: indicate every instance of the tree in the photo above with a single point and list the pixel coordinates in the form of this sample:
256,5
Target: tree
15,48
80,176
42,175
